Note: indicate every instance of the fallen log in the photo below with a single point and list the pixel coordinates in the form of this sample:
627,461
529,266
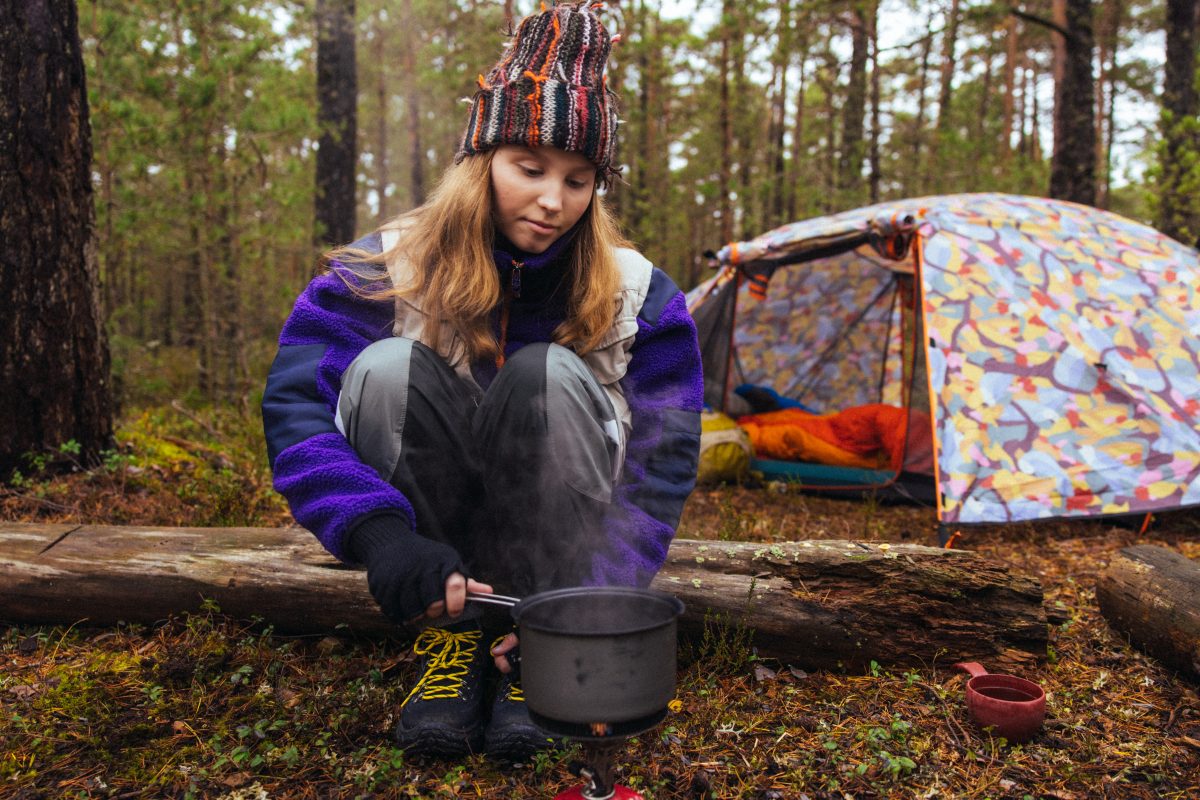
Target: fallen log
1152,595
818,604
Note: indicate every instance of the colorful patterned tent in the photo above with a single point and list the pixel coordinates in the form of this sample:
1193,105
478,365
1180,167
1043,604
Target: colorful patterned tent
1060,365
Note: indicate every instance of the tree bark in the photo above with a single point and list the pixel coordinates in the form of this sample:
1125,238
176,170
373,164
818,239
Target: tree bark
1073,164
1010,85
946,88
779,90
854,111
1179,206
416,151
1152,596
337,96
918,171
1035,117
54,359
819,604
1058,61
798,148
1023,117
725,120
873,160
383,179
1107,43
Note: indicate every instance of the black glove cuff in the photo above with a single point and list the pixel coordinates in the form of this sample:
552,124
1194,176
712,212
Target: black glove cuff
405,571
374,535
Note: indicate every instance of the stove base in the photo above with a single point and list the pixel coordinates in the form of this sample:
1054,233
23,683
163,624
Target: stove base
618,793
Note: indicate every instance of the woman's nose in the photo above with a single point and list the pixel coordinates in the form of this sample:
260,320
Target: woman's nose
551,199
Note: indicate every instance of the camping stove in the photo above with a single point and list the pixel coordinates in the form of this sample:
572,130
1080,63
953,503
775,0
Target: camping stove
597,769
601,742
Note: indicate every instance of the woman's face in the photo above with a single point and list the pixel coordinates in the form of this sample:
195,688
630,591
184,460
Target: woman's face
539,193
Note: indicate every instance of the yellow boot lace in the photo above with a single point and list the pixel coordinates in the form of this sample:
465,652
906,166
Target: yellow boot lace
514,692
450,656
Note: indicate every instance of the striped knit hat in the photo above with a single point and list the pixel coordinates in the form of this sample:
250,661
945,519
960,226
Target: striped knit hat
549,89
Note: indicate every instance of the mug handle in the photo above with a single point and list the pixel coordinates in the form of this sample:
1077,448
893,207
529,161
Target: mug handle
974,667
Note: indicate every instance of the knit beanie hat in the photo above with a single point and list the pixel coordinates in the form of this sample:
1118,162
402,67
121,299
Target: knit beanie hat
549,89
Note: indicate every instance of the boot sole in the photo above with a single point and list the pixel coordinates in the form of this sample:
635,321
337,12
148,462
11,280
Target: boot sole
444,742
517,743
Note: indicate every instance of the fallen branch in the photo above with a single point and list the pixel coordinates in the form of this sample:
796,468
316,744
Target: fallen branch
182,409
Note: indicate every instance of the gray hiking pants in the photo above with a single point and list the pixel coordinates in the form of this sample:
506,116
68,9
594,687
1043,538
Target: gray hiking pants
517,478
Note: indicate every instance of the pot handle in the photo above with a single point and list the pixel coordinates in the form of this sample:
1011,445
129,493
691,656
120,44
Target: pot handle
974,667
513,657
493,599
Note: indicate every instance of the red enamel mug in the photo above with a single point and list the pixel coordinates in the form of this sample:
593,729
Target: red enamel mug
1013,707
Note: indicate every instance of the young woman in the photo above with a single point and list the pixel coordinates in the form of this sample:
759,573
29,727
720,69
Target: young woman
493,390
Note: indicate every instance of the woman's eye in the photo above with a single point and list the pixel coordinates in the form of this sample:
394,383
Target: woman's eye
576,184
531,172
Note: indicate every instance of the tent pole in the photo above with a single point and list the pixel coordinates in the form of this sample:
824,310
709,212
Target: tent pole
737,290
919,278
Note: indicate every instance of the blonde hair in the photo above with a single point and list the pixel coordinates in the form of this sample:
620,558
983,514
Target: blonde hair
447,242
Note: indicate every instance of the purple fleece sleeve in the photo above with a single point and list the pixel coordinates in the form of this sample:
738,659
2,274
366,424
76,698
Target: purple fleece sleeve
665,391
329,489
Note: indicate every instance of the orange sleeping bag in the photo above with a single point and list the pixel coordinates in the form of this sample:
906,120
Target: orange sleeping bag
870,436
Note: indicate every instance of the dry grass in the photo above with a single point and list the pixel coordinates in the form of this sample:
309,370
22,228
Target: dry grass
206,706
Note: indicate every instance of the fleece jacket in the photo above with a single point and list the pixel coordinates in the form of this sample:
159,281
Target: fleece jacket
332,492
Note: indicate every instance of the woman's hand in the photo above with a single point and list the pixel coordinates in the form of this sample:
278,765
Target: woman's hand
508,643
457,587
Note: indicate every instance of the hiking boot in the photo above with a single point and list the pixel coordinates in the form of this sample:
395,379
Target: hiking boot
511,734
443,714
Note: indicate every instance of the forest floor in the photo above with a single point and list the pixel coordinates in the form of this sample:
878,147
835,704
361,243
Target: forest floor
204,706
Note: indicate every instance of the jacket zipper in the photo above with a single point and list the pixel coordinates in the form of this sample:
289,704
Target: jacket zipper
514,282
514,290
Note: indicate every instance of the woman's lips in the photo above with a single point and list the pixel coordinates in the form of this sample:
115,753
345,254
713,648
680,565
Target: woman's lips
539,227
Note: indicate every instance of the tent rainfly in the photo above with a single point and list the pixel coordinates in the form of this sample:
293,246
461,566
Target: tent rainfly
1052,350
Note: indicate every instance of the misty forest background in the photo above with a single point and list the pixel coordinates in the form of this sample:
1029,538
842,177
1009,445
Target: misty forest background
211,208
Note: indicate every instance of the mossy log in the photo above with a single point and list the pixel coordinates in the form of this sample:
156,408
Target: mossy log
817,604
1152,595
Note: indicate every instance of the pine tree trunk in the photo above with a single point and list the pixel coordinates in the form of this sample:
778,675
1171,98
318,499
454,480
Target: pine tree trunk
986,91
1058,14
778,176
1179,193
1010,85
337,96
829,84
1106,44
1023,120
873,148
416,151
949,44
383,180
747,145
725,120
230,322
54,361
854,111
1073,165
797,134
1035,116
918,171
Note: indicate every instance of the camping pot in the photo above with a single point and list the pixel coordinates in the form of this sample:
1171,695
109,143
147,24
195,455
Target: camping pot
597,654
592,655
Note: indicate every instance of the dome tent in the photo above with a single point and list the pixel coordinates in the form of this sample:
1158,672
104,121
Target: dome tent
1054,347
